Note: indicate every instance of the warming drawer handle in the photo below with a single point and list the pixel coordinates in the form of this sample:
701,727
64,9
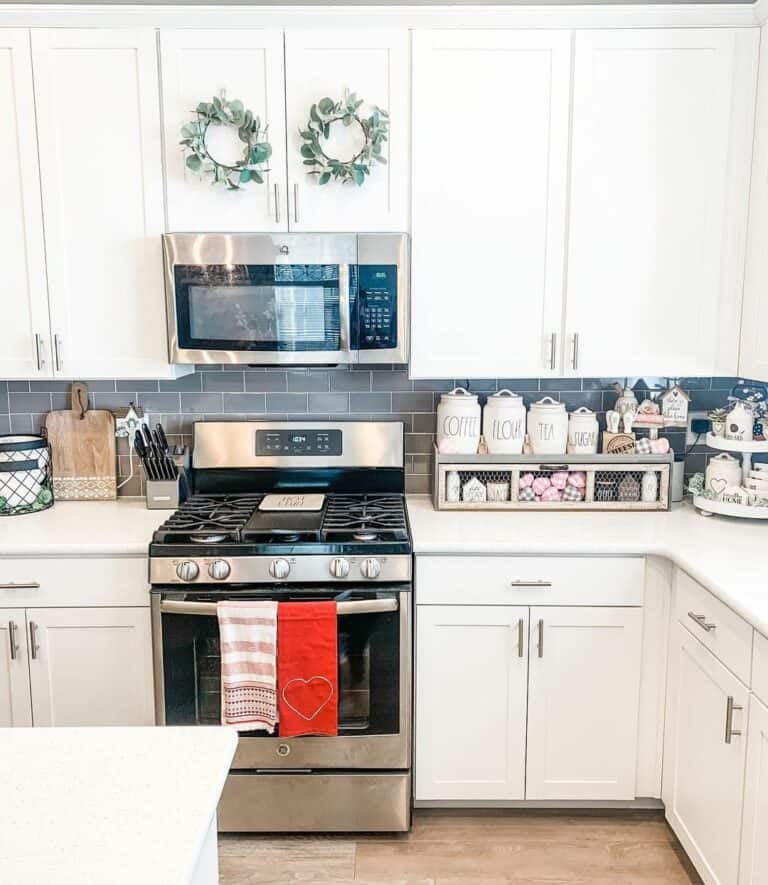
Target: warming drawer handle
353,607
20,585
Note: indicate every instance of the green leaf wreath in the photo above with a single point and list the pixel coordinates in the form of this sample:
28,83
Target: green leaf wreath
321,116
256,151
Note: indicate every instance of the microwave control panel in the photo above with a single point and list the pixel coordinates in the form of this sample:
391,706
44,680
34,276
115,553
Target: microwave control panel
377,307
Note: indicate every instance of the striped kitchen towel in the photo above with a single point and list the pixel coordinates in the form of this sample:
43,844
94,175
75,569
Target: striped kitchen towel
248,639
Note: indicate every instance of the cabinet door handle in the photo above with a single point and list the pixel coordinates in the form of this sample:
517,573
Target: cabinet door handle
553,351
730,731
20,585
701,620
277,203
12,639
57,350
575,360
517,585
39,352
33,643
295,203
520,638
541,637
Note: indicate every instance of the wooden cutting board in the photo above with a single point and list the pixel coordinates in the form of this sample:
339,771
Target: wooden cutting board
84,450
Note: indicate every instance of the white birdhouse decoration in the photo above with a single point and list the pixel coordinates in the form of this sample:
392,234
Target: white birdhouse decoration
674,407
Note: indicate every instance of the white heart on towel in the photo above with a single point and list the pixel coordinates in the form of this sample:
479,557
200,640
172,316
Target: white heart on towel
297,682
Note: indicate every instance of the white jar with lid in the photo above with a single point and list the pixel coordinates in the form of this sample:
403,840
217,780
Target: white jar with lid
722,471
548,427
458,422
504,423
583,432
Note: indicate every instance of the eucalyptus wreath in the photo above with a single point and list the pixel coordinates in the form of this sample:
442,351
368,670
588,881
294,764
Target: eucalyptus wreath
256,151
321,116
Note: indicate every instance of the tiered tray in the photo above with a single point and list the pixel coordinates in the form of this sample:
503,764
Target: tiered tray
707,506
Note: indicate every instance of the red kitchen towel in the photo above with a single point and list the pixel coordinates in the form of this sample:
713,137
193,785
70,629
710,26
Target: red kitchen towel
307,668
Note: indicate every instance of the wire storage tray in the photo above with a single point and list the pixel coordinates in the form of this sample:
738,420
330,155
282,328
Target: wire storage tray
562,482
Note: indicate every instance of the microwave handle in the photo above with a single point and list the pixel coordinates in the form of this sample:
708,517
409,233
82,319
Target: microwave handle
345,344
352,607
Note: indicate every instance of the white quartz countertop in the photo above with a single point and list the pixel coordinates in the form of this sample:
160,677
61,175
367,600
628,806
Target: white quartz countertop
728,556
82,528
124,806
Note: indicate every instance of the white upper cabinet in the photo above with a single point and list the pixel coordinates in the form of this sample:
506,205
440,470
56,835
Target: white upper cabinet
98,122
245,65
373,64
25,349
490,160
662,140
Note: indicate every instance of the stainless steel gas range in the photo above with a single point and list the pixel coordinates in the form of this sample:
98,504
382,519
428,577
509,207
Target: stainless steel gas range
293,511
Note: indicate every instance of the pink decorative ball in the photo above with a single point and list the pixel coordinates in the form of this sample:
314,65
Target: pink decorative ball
559,480
540,484
660,446
526,480
577,479
551,494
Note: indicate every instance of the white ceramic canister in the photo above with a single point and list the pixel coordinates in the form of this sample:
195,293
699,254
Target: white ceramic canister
504,423
722,471
739,422
458,422
548,427
583,432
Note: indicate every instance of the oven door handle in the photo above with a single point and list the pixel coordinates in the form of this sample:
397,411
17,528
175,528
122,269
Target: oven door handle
353,607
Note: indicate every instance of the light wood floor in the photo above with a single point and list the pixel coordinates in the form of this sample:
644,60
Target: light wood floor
471,848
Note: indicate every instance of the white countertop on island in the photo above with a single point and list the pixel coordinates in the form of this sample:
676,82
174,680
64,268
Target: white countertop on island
725,555
117,805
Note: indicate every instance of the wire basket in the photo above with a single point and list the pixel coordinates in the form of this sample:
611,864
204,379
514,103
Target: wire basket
26,475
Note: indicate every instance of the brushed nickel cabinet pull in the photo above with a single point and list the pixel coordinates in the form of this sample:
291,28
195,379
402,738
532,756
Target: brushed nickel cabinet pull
12,639
57,350
575,361
277,203
553,351
20,585
541,637
520,639
33,643
296,203
535,584
701,620
730,731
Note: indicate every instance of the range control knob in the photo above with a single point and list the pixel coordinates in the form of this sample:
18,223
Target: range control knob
339,567
370,568
219,569
280,569
187,570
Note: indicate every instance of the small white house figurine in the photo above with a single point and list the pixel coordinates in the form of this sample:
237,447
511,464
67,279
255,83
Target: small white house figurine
674,407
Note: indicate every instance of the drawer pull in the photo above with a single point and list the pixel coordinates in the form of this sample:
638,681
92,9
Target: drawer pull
730,731
520,638
541,637
34,645
20,585
517,585
12,639
701,620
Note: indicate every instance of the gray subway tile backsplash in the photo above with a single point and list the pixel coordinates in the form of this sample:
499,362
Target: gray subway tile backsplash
341,393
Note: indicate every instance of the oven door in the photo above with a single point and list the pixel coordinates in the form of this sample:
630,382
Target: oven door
269,299
374,671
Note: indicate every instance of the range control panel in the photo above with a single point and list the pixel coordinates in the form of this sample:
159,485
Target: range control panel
377,306
298,442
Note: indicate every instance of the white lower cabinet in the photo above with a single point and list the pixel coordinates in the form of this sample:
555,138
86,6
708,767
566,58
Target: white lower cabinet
704,756
754,840
90,666
15,704
471,695
584,689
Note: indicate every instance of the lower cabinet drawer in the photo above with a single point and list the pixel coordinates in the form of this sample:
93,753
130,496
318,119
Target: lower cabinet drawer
716,626
529,580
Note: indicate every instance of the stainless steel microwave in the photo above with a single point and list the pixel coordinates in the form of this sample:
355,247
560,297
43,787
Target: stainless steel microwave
295,299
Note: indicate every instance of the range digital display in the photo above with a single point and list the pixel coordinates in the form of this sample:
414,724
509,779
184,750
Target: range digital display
298,442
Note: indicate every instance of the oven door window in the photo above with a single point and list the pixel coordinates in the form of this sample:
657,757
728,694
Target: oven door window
285,307
368,672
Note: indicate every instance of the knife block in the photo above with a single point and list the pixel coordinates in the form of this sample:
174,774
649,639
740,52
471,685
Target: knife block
167,494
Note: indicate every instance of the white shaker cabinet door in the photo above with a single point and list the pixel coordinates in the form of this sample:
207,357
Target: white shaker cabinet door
704,752
373,64
90,666
98,122
245,64
490,159
583,700
471,673
754,844
662,141
25,349
15,704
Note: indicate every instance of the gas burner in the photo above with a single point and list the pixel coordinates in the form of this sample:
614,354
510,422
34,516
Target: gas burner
365,536
207,539
209,519
365,518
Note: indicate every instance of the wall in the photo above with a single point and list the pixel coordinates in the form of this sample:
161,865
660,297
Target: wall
218,392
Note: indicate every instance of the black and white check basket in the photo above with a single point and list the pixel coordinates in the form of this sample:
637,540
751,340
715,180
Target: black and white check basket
26,481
